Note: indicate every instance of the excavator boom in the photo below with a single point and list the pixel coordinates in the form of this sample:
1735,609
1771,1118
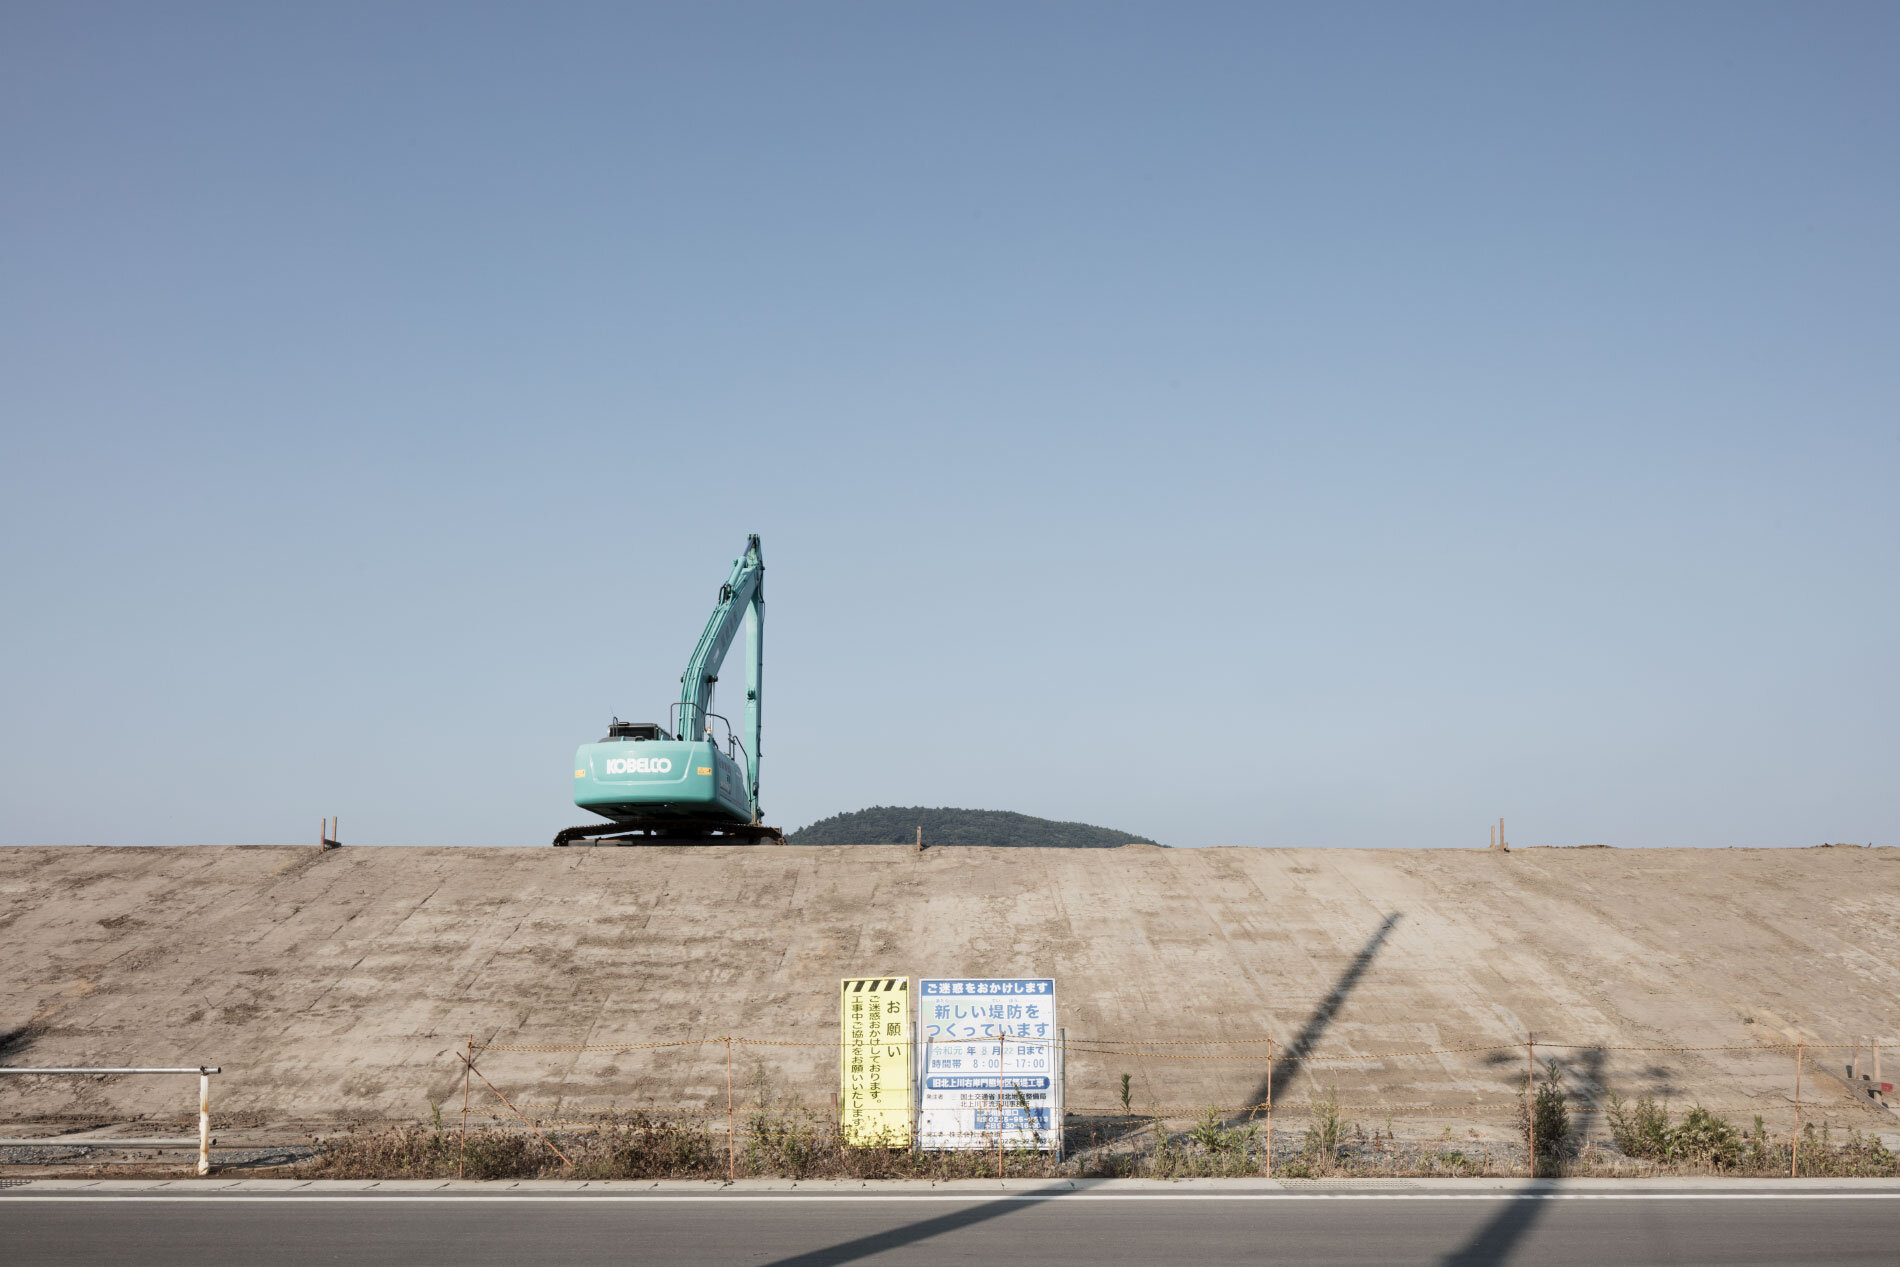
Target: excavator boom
741,597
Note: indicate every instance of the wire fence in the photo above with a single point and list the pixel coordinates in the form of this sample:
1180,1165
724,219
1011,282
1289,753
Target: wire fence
1131,1094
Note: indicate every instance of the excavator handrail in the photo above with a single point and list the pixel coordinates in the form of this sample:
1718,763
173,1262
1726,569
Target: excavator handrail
732,736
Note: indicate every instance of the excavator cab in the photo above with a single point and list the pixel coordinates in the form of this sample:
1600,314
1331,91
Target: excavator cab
637,730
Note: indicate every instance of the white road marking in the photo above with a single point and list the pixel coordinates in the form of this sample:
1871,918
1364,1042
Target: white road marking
618,1198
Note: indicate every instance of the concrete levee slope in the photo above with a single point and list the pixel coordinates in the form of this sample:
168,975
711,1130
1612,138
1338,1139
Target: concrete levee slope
336,985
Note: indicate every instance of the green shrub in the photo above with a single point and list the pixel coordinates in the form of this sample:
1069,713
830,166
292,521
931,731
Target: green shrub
1641,1130
1701,1138
1758,1147
1860,1157
1451,1161
1214,1136
1705,1139
1545,1123
1216,1148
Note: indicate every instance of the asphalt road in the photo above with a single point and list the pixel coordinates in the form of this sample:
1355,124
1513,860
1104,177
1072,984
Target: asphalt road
1098,1229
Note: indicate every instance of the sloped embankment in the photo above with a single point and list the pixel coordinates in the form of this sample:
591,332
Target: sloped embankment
335,986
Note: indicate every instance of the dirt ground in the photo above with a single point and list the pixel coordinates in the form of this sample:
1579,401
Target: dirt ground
335,987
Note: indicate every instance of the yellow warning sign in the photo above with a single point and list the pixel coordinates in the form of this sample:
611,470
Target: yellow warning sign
874,1102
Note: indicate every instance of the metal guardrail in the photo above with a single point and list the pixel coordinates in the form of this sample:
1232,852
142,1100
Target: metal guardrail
93,1141
198,1069
203,1141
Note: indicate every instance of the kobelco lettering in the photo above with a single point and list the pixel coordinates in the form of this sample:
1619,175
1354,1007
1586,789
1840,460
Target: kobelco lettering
639,765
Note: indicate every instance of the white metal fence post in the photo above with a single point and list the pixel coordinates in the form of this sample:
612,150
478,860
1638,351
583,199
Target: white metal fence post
203,1141
204,1120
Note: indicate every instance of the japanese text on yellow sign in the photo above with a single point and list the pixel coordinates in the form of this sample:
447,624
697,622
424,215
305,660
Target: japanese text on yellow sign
875,1069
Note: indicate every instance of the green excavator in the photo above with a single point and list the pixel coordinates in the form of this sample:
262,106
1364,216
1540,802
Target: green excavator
675,783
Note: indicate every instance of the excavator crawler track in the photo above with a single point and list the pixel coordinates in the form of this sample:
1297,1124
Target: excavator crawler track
671,831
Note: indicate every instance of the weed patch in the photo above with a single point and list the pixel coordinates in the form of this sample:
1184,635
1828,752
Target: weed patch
1326,1134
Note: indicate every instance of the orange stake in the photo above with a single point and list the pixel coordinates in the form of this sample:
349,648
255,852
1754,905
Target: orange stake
1794,1144
512,1109
461,1161
732,1156
1269,1106
1530,1092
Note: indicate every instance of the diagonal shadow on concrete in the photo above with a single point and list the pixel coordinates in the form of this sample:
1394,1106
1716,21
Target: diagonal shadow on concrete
899,1237
1493,1244
1295,1053
15,1041
1589,1074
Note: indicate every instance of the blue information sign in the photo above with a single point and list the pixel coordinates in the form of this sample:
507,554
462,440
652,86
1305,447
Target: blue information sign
989,1062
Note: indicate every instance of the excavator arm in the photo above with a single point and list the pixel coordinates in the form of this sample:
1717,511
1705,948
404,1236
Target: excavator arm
741,599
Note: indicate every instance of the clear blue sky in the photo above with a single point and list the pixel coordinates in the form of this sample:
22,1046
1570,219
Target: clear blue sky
1240,424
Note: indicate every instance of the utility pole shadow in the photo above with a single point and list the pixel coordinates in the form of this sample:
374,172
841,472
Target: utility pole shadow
902,1237
1493,1244
1293,1057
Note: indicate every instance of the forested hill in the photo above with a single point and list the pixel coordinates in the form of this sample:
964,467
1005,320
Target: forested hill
897,825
